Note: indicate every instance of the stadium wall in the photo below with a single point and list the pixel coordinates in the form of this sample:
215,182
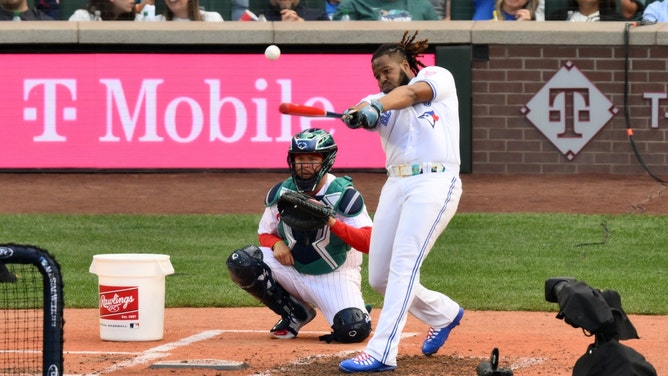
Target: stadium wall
545,97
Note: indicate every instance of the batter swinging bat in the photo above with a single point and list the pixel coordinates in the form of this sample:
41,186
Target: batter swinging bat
309,111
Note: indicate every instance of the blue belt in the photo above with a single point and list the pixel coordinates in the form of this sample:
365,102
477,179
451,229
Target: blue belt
415,169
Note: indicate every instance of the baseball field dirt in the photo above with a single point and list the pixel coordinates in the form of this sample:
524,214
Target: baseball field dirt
530,343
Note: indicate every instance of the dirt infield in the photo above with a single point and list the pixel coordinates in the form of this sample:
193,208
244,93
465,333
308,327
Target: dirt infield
223,193
530,343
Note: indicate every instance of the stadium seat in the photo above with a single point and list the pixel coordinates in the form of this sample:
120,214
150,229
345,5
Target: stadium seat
257,6
553,5
461,10
222,7
67,7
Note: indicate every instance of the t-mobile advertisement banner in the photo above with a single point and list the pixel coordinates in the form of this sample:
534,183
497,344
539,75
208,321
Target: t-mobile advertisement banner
152,111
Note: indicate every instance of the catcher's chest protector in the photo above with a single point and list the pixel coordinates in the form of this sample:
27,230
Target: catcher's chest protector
331,250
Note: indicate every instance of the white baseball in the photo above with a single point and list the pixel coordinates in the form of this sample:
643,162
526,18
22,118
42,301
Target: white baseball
272,52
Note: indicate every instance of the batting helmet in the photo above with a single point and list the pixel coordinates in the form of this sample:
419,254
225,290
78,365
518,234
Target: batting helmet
311,141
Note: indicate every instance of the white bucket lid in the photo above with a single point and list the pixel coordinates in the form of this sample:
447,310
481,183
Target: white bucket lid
131,265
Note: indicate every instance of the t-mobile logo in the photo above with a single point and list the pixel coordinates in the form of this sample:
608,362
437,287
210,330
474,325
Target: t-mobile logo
32,88
569,110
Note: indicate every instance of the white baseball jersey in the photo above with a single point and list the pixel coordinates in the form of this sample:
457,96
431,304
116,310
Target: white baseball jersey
425,132
418,200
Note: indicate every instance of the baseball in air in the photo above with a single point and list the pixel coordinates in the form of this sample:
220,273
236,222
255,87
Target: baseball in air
272,52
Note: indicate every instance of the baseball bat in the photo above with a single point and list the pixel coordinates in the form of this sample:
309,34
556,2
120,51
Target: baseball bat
303,110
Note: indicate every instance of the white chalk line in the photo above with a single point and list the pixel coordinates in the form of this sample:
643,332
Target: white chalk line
302,332
163,350
527,362
155,353
103,352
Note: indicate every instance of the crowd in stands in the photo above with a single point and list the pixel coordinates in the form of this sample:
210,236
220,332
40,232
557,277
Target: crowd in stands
383,10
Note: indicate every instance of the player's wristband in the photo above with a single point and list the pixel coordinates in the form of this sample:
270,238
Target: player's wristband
377,105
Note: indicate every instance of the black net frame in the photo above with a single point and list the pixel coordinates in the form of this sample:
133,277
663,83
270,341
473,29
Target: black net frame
31,306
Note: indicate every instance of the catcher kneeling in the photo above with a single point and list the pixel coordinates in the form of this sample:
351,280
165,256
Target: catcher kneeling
313,230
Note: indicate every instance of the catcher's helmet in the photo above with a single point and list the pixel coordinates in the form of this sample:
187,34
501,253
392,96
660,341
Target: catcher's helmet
351,325
311,141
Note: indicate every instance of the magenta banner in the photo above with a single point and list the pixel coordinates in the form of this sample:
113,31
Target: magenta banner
176,110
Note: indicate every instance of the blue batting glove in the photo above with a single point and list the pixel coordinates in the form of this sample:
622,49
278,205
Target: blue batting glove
371,114
366,118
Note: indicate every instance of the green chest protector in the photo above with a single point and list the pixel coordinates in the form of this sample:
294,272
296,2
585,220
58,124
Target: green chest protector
319,251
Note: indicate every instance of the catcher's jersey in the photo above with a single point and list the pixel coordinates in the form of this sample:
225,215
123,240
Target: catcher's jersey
319,251
425,132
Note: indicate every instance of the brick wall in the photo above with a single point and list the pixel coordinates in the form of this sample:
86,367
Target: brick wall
505,141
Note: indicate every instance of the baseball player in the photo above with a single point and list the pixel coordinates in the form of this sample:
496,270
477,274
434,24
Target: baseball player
295,269
416,117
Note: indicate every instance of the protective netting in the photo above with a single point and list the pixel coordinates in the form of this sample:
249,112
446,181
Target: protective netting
21,320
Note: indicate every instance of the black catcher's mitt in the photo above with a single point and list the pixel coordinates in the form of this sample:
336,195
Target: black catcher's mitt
302,212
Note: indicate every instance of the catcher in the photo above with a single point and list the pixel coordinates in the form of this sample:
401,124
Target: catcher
312,234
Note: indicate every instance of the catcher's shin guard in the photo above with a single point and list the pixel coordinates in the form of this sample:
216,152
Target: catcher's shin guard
254,276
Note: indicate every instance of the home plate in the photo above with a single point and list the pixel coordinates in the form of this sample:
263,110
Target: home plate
201,363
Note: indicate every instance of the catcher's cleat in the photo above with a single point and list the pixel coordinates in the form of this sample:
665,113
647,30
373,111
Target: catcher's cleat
436,336
288,327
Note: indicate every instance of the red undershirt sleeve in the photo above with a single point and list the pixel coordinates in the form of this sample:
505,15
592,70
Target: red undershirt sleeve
268,240
358,238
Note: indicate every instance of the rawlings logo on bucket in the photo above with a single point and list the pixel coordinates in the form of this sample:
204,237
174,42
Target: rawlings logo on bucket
119,302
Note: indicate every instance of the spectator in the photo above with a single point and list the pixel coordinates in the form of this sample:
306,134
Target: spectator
587,11
8,8
483,10
515,10
539,14
492,9
139,6
442,8
632,9
106,10
656,12
387,10
330,7
50,7
291,10
187,10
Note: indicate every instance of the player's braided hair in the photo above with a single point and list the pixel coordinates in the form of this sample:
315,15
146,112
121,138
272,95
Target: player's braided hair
409,48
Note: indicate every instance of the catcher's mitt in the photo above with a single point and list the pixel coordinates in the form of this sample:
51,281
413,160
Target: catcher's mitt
302,212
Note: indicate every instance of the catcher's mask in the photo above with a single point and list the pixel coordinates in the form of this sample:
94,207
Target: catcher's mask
308,142
350,325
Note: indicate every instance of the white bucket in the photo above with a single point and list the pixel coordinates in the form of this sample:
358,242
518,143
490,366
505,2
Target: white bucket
131,295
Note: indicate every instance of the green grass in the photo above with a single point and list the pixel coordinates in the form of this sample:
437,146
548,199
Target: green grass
483,261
